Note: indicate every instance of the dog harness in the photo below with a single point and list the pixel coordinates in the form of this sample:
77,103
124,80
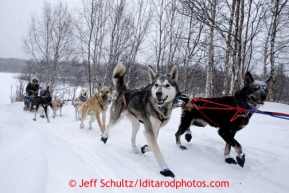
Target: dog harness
202,104
82,98
100,104
160,116
125,104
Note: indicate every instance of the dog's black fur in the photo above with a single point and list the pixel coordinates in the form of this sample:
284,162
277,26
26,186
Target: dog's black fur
250,96
44,99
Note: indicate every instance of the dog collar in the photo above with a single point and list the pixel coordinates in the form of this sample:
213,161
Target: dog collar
83,99
242,104
101,104
179,95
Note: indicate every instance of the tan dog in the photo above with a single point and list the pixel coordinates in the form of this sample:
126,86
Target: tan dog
56,105
82,98
98,103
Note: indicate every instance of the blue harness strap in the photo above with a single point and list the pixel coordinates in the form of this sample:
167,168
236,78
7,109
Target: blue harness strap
272,114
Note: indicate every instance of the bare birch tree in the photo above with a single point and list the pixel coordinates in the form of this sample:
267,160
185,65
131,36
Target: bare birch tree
236,68
190,49
228,51
160,28
120,31
91,28
208,88
276,24
172,43
141,26
49,41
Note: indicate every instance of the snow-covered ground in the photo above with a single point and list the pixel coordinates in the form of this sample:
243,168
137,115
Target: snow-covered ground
38,157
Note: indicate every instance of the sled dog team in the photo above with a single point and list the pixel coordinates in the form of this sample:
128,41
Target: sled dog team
152,106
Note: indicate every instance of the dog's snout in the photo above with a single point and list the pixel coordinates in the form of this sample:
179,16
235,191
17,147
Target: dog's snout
263,96
159,94
103,96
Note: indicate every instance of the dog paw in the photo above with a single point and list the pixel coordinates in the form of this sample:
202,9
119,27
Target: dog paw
182,147
230,161
90,128
188,137
167,173
34,119
42,116
103,139
241,160
135,150
144,149
81,126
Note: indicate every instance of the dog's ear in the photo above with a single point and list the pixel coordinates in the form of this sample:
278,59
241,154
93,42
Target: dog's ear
152,74
111,87
174,73
268,80
248,78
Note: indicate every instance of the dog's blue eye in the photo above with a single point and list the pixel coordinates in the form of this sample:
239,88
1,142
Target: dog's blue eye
167,85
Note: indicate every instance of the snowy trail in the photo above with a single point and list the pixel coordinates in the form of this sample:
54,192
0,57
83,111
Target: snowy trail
43,157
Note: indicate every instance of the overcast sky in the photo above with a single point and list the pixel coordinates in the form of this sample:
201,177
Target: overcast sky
14,19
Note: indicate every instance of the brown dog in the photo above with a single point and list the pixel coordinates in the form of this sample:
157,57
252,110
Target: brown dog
96,105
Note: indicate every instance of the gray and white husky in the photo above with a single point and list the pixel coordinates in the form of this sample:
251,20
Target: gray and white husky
151,105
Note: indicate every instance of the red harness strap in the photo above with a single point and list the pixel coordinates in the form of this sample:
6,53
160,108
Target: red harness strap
160,116
125,104
217,106
100,105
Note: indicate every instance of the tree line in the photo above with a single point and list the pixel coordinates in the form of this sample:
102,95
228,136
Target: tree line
11,65
213,42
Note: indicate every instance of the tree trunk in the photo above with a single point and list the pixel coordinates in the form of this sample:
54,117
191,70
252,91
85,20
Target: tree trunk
239,61
236,66
171,34
246,39
275,16
208,91
160,49
229,50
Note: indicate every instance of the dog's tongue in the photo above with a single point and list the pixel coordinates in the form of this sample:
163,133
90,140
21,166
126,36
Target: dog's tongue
159,100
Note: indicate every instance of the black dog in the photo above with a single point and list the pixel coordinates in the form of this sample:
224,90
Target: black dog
44,99
229,122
